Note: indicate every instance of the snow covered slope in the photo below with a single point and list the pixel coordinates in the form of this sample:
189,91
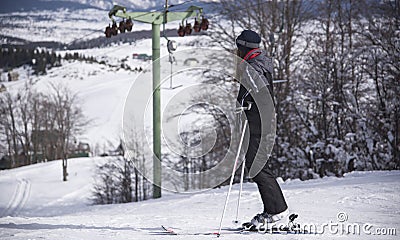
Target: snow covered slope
101,89
36,204
38,189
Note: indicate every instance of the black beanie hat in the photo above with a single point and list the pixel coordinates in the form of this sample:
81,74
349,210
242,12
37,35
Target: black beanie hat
248,40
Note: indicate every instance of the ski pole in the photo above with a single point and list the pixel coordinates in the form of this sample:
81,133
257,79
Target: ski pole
232,176
240,193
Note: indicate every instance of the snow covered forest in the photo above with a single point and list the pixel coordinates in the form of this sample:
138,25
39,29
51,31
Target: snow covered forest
339,110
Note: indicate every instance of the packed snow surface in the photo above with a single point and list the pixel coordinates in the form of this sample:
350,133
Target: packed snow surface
36,204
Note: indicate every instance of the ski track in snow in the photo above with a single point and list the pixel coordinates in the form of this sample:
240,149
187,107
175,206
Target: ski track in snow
18,199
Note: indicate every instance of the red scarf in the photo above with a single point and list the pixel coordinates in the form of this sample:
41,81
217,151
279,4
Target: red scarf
252,54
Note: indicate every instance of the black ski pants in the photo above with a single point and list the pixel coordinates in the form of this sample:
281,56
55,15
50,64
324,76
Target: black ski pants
270,191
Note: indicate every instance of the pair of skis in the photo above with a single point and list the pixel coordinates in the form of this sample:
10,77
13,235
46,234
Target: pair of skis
247,228
224,231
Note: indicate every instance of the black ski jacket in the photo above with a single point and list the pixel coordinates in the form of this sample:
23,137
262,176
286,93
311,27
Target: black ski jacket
255,84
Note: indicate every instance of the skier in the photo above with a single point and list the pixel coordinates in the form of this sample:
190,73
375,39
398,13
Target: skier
255,83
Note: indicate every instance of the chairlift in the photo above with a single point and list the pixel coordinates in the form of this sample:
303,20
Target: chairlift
114,29
129,24
188,28
122,26
108,31
204,23
181,31
196,25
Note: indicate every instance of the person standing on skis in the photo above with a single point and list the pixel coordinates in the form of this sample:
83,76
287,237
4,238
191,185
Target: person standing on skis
256,95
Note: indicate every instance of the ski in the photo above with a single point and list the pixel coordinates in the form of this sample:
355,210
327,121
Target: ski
169,230
282,231
225,231
174,231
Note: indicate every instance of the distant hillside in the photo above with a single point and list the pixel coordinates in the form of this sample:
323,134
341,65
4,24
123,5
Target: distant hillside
8,6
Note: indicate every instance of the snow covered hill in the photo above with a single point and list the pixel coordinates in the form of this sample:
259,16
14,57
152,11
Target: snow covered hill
101,89
24,21
36,204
